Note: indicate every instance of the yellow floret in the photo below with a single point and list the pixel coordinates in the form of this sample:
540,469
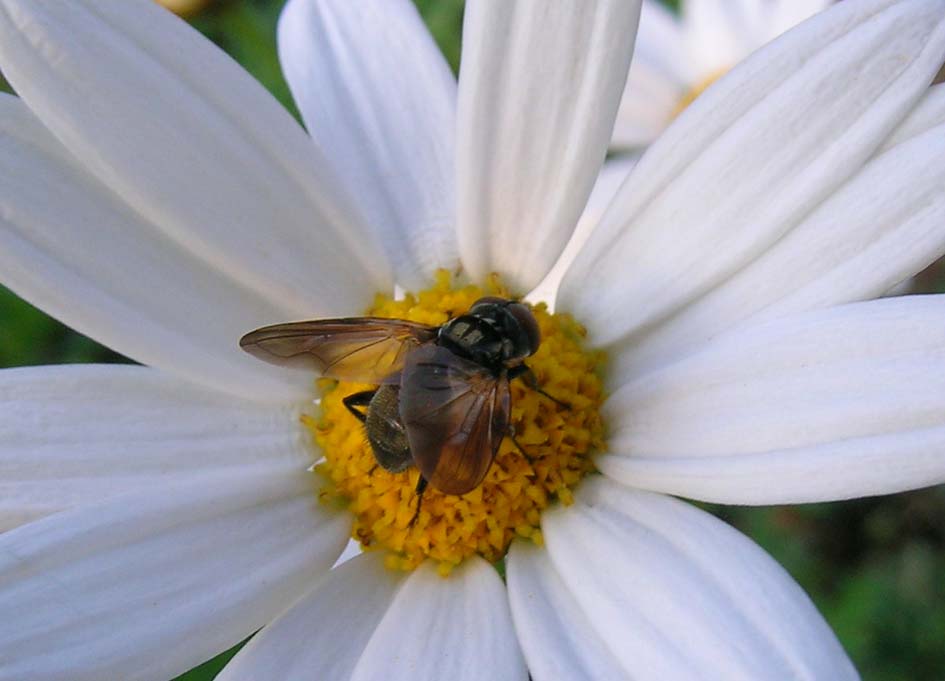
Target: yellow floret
558,443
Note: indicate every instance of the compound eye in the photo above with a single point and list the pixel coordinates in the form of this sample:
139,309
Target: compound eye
529,325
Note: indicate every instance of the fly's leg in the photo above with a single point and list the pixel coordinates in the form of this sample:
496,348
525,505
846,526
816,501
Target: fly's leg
518,445
528,376
421,487
355,400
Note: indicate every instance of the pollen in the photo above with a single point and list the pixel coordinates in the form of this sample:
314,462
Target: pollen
554,451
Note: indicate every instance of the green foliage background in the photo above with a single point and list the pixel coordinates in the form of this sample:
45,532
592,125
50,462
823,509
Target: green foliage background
874,567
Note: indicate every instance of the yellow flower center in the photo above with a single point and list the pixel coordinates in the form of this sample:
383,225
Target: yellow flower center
557,442
697,90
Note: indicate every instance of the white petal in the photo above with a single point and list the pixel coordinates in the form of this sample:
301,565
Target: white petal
194,144
657,80
718,188
929,113
324,634
74,435
148,585
647,107
380,101
455,628
608,182
785,14
717,33
557,637
671,593
884,225
363,622
71,247
659,42
832,404
539,87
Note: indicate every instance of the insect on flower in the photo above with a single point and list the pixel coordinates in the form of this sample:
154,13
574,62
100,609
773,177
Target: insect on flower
442,401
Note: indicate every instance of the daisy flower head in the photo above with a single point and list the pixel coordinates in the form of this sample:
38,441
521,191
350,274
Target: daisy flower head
678,56
715,335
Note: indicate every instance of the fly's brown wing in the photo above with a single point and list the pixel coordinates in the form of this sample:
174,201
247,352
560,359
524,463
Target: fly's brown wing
456,414
362,349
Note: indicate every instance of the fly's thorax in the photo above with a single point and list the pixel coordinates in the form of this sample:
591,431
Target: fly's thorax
555,446
475,339
496,332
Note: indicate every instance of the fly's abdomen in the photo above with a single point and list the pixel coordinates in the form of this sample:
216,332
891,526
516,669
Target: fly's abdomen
386,432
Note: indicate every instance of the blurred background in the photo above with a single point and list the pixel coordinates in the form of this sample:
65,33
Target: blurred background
874,567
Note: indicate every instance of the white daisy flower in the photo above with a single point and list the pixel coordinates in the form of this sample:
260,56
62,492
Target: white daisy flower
678,56
158,200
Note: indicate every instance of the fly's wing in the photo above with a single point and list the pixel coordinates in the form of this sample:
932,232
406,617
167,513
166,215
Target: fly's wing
456,414
362,349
